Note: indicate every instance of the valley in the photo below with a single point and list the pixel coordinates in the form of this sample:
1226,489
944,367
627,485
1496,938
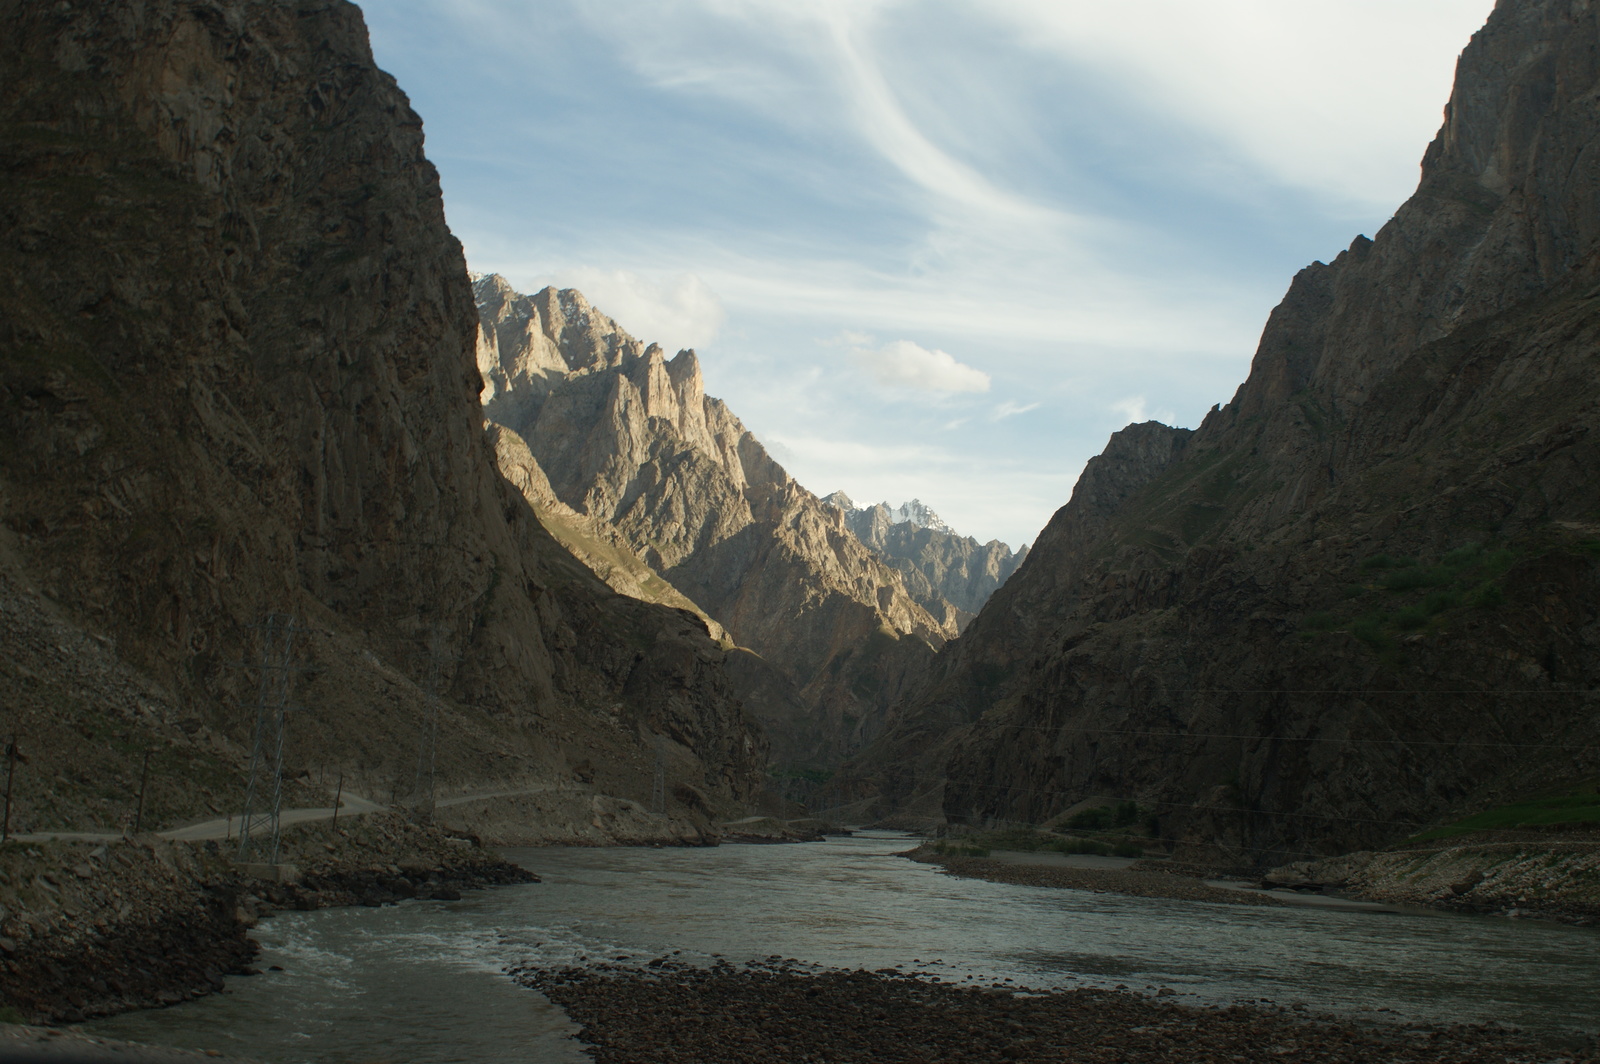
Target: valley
450,588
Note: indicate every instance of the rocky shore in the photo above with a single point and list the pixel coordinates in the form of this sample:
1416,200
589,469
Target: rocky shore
90,930
1504,873
670,1013
1139,881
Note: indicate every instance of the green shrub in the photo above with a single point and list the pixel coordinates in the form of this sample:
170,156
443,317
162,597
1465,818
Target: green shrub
1487,597
1463,556
1439,601
1127,849
1384,561
1369,630
1096,819
9,1014
1127,813
1072,846
1319,622
1414,577
1411,617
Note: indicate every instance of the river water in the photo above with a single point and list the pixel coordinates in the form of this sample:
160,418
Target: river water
423,982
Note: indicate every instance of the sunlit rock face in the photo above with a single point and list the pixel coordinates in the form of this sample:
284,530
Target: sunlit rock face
1362,595
239,378
627,437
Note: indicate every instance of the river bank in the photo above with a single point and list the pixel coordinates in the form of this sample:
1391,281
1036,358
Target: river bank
670,1013
92,929
1137,880
1504,873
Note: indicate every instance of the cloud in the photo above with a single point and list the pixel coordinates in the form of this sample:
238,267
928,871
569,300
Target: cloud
674,310
1012,409
1339,98
1131,408
903,364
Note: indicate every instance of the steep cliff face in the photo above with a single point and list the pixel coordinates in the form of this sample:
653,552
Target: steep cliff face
238,379
941,569
628,438
1364,594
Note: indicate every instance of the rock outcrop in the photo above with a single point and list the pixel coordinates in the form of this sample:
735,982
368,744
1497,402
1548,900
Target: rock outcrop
940,568
237,378
627,440
1363,595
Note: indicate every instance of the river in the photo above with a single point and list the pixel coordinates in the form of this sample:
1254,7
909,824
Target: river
423,982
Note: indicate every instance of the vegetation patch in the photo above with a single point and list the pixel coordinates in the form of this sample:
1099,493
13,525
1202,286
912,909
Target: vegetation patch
1468,577
1570,807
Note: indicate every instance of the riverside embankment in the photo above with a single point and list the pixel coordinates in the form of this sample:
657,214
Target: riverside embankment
427,982
1542,874
96,928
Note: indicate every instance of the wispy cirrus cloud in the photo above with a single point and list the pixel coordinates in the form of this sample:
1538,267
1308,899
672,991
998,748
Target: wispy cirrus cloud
1066,201
1010,408
674,310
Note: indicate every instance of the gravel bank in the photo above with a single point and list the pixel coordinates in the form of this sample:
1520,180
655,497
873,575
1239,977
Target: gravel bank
1142,884
668,1013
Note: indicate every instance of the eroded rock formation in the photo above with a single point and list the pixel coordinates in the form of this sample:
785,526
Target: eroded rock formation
627,437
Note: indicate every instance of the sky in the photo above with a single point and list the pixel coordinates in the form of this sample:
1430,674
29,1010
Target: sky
929,248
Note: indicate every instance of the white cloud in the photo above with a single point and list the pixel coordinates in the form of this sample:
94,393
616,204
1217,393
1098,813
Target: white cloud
674,310
1010,408
1131,408
1339,98
903,364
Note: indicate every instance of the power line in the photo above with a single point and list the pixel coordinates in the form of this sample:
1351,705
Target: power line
1285,738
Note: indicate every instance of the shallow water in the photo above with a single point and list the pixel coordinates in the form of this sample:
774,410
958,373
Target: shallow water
422,982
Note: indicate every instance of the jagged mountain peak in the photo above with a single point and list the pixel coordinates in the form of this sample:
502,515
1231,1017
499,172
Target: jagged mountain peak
937,563
916,513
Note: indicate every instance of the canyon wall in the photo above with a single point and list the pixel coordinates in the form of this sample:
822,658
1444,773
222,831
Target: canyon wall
238,378
1362,596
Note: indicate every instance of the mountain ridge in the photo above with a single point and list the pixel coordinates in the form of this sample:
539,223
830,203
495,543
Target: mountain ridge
628,437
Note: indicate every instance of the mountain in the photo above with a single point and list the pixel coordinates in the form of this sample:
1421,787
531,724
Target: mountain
627,440
1365,594
937,565
237,380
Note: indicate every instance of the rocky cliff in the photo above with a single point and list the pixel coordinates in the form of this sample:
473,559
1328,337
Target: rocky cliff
938,565
628,439
237,378
1363,595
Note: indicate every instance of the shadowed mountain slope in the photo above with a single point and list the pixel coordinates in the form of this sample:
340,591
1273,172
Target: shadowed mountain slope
1365,594
237,378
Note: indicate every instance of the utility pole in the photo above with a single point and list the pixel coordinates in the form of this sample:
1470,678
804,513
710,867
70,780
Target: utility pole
272,709
658,789
144,778
424,790
338,796
11,771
